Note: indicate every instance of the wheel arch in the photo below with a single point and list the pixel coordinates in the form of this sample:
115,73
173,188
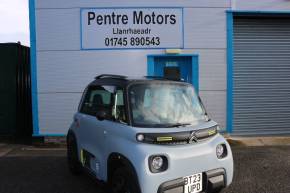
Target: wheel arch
116,160
73,135
70,133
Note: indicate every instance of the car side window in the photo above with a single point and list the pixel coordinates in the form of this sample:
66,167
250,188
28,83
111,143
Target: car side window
98,98
119,112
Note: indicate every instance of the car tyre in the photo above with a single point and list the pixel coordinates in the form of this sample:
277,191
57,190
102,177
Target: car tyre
218,191
72,156
123,181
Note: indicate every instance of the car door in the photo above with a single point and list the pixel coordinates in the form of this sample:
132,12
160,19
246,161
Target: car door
93,131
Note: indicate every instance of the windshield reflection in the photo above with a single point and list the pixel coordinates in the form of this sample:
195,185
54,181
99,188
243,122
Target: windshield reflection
165,105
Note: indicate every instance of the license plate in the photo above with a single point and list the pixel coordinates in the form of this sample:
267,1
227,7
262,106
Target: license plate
193,183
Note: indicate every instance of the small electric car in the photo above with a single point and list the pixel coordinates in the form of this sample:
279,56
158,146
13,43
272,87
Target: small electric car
148,135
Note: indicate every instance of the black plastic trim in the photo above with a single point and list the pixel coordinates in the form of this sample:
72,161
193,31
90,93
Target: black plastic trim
215,172
110,76
171,185
179,137
213,181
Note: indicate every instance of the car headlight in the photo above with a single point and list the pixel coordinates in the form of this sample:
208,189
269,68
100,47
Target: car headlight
158,163
221,151
140,137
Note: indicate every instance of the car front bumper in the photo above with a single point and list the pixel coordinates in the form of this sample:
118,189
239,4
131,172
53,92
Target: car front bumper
184,160
213,181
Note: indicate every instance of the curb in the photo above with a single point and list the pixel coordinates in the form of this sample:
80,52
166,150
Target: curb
258,141
4,150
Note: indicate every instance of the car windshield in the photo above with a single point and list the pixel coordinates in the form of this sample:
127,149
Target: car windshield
165,105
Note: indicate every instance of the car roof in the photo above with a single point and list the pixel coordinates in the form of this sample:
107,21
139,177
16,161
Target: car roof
123,81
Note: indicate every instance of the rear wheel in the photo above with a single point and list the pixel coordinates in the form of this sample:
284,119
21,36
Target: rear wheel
72,156
123,181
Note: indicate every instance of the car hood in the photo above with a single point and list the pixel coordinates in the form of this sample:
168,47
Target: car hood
201,125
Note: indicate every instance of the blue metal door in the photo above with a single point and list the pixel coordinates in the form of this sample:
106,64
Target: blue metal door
175,67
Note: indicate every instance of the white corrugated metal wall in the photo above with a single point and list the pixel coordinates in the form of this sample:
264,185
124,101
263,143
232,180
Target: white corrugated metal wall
63,70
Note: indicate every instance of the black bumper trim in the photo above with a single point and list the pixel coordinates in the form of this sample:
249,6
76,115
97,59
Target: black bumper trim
171,185
215,172
213,180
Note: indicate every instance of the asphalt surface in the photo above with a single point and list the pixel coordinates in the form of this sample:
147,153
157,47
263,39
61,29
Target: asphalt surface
257,170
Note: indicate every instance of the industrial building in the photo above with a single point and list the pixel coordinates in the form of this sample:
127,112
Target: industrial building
235,53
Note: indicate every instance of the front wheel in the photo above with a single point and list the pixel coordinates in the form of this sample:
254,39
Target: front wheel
72,156
123,181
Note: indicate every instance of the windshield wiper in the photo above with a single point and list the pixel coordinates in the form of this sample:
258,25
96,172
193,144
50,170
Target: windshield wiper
178,125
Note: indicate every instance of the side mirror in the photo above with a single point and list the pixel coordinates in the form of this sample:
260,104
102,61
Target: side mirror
101,115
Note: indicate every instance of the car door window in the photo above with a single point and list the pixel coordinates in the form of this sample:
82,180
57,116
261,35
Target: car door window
106,98
119,113
98,98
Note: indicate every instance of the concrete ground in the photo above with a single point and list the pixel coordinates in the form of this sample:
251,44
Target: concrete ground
264,169
259,141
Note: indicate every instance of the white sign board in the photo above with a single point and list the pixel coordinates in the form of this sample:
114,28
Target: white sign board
131,28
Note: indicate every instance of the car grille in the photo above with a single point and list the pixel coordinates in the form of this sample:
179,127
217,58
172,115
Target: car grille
180,138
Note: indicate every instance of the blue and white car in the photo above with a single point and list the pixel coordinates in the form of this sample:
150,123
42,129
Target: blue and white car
148,135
